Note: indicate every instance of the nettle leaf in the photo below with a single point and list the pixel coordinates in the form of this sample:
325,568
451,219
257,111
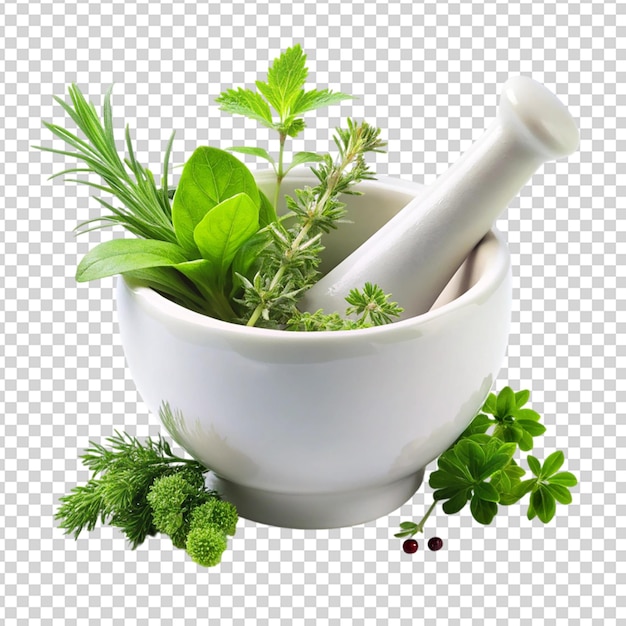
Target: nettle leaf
224,230
210,176
285,79
124,255
316,99
246,102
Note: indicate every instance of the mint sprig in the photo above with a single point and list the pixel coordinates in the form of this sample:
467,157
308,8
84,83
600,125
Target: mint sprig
479,467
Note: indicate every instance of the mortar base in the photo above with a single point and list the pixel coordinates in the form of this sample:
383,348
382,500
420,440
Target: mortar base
321,510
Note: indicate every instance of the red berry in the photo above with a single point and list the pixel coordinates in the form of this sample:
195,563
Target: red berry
435,543
410,546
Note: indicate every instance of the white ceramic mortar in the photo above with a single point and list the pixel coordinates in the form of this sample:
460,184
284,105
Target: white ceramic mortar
330,429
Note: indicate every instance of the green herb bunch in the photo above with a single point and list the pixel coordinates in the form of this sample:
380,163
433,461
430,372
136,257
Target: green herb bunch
479,468
142,489
214,243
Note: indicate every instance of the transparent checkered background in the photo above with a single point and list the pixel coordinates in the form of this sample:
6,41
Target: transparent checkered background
429,74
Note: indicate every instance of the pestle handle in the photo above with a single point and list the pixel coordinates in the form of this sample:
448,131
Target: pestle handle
416,253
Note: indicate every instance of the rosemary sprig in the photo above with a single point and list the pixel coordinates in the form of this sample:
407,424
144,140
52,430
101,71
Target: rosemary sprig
146,210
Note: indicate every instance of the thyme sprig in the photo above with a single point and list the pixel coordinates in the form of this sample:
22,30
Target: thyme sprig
288,266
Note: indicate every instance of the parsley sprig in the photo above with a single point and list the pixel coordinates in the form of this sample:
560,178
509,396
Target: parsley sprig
479,467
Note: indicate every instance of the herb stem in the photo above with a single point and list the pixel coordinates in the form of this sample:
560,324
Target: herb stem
420,526
280,174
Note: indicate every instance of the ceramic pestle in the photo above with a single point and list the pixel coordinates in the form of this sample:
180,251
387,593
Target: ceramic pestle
416,253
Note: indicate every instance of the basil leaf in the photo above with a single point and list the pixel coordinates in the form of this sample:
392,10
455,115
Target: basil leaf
224,229
125,255
209,177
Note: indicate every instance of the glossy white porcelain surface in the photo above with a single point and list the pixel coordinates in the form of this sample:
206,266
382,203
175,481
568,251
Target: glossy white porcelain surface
316,430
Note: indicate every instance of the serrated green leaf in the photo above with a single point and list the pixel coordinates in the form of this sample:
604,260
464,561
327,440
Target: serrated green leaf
314,99
483,511
285,79
224,229
259,152
561,494
534,464
209,177
505,403
125,255
567,479
552,464
521,398
246,102
543,504
486,491
292,127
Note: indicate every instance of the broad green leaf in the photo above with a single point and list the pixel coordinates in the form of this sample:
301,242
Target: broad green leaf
491,405
521,398
202,273
448,493
531,427
544,504
247,259
506,403
451,463
168,280
442,480
553,463
259,152
304,157
486,491
524,487
224,229
495,463
483,511
210,176
315,99
476,458
534,464
125,255
285,80
527,414
267,211
454,505
560,493
480,424
501,481
567,479
246,102
507,498
525,442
